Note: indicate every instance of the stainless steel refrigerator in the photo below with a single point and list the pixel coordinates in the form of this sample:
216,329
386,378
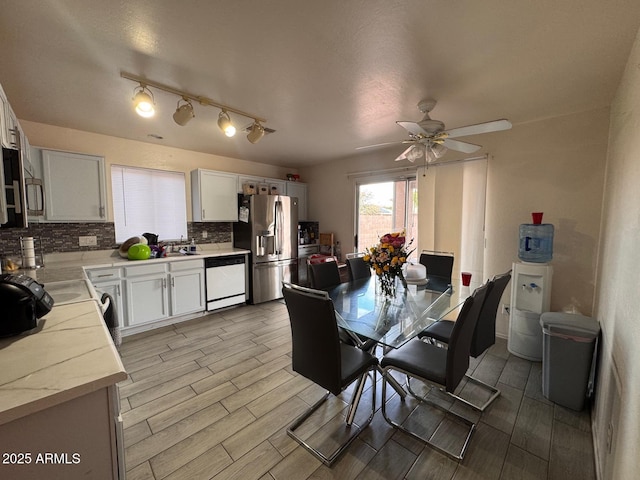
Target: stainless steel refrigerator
268,226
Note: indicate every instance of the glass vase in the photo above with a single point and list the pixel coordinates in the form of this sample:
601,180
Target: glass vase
386,286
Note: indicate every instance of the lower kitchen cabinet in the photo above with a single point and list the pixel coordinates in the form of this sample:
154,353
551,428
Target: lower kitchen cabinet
159,291
147,297
187,287
109,280
114,289
148,292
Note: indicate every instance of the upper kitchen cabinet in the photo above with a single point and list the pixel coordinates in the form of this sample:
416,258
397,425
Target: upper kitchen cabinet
214,196
75,187
8,124
299,190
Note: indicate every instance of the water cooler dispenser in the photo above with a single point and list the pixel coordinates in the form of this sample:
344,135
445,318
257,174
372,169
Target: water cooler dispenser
530,289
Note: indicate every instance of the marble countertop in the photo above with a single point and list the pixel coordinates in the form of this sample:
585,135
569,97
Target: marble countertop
62,267
68,355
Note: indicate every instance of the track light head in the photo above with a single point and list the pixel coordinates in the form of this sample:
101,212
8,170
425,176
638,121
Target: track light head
256,132
183,113
224,122
143,102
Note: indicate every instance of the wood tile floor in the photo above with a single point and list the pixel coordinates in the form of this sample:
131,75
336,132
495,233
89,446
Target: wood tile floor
211,398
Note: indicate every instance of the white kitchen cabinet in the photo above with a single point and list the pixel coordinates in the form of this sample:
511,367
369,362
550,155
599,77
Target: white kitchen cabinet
8,123
109,280
214,196
147,295
299,190
158,291
75,187
115,290
187,287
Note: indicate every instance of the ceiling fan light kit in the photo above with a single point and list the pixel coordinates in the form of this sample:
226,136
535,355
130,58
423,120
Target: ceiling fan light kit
144,105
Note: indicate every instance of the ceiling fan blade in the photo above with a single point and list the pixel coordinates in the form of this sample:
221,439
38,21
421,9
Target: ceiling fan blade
413,153
379,145
487,127
414,128
459,146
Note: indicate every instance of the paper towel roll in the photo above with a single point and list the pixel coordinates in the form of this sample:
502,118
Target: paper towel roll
28,252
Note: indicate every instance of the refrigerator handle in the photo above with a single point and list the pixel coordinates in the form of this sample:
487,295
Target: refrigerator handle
278,228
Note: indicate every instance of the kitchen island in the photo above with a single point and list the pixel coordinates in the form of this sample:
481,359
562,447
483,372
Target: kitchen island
59,407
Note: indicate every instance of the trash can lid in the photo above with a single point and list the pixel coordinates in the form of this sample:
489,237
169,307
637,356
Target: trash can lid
570,322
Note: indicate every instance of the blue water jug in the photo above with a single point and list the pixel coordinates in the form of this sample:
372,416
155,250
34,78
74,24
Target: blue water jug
536,242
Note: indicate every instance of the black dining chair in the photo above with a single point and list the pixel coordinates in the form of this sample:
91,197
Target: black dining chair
357,268
444,368
484,335
439,267
323,275
319,355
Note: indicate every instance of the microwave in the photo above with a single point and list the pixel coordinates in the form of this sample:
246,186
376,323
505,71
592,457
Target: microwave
13,200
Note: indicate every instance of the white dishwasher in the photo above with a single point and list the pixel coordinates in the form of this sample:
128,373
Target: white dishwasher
226,284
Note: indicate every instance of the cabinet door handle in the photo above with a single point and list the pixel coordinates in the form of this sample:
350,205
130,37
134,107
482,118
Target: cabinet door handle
203,214
118,290
164,283
173,282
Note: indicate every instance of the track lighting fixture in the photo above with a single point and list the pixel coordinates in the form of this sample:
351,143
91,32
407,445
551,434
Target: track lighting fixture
256,132
183,113
145,107
143,101
224,122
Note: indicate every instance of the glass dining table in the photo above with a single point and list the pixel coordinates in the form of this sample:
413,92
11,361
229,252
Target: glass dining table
393,322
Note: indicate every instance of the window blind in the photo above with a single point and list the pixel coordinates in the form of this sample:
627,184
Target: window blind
148,200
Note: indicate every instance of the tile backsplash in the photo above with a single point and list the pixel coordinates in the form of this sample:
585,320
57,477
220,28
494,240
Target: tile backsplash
63,237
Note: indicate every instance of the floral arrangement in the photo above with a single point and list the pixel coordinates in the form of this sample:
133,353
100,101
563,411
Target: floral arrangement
387,258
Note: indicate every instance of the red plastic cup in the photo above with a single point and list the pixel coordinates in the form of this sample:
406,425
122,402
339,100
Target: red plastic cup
466,278
537,217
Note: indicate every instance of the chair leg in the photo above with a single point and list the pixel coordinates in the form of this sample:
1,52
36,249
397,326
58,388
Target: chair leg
494,393
455,455
354,428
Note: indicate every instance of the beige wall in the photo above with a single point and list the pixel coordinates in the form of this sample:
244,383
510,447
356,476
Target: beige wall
617,298
554,165
128,152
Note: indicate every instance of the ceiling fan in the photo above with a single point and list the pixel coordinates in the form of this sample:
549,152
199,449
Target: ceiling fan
428,138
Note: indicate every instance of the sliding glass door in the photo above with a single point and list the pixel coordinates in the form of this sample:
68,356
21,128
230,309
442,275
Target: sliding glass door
384,207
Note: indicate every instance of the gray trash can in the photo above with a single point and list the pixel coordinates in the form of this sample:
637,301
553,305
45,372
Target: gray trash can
568,357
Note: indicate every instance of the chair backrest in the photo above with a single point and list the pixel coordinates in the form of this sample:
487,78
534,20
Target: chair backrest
438,264
485,333
314,336
357,268
323,275
460,341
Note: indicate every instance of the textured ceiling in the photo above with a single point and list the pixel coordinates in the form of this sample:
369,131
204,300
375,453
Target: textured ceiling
329,76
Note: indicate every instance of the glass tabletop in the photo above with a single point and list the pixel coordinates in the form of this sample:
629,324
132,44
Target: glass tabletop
392,322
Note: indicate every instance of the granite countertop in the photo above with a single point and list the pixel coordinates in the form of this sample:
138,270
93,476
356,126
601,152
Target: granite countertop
69,355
